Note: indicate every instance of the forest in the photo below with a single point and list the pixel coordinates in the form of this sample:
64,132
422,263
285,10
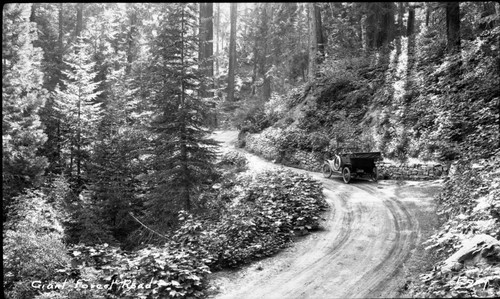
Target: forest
111,172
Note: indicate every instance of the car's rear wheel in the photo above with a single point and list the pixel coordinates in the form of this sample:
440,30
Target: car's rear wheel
346,175
375,174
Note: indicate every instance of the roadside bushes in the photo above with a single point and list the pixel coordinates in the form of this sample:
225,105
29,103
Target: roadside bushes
234,161
302,140
470,202
294,138
257,115
470,207
260,214
33,244
102,271
267,212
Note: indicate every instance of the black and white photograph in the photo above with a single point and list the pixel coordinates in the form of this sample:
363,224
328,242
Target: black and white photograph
257,150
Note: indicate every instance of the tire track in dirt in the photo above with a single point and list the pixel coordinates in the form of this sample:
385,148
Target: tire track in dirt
368,234
309,272
408,234
357,284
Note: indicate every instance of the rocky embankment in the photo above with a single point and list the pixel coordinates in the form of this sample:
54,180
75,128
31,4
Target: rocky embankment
263,145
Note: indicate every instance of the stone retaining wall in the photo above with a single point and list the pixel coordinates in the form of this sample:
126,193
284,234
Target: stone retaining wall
415,172
263,146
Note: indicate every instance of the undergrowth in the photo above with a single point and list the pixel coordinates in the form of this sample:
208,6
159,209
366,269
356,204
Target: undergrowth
469,205
257,216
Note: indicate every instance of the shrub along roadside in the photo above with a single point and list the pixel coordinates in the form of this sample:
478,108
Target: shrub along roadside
262,214
33,244
470,206
267,211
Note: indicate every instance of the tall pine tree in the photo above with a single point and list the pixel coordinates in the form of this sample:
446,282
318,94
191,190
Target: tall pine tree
22,97
183,155
78,111
116,163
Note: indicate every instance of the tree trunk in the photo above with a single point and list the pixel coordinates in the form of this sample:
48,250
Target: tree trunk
387,24
79,19
232,54
400,31
61,33
364,33
33,12
183,137
255,62
453,26
78,155
410,48
206,50
372,25
320,40
131,37
263,67
317,47
201,36
401,12
71,159
411,21
217,34
427,14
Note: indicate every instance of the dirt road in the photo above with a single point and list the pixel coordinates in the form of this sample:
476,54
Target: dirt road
367,239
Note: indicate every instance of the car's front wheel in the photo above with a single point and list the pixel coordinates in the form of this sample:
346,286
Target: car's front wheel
327,171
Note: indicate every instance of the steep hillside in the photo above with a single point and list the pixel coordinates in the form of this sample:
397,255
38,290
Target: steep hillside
415,104
425,106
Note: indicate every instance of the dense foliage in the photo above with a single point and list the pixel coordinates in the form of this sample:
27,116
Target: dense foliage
469,205
449,109
78,112
22,97
107,110
34,246
413,100
179,120
424,95
267,211
261,214
232,161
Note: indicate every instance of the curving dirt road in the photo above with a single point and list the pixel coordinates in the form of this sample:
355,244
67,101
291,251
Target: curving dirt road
367,239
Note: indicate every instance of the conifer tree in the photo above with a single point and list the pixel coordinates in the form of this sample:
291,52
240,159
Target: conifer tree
78,110
115,164
183,154
232,54
22,97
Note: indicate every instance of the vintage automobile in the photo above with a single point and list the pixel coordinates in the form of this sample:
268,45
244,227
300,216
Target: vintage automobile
351,163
